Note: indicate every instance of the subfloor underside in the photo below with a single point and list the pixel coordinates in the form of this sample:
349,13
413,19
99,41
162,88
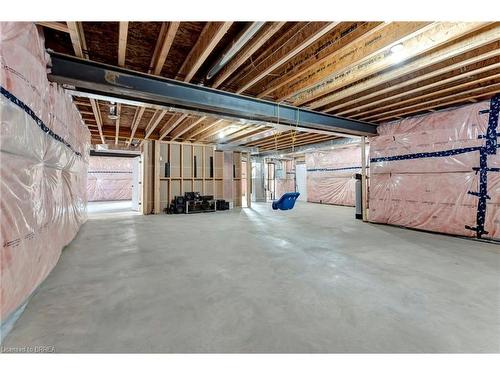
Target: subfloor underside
313,279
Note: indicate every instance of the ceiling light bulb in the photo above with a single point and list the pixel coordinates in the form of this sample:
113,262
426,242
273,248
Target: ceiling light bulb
397,53
112,112
397,48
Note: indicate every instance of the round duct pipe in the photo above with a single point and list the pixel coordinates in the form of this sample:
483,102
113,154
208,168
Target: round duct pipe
235,48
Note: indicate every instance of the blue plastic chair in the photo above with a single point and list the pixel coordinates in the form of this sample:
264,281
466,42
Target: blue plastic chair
286,202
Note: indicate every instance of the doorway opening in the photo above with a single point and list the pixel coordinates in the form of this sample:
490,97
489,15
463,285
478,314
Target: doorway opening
113,184
270,181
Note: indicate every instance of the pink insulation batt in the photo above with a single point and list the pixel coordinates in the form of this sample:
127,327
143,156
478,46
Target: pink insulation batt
44,149
109,179
330,175
432,190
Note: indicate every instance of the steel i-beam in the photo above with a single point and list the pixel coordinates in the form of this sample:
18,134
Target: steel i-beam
84,76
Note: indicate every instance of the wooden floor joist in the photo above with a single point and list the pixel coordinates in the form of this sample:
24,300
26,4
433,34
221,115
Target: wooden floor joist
276,136
245,134
171,124
78,39
365,46
366,61
262,37
470,43
201,128
495,54
59,26
122,42
214,130
310,33
163,45
155,120
227,133
341,40
290,138
209,38
97,116
185,127
462,86
135,123
347,69
440,102
301,142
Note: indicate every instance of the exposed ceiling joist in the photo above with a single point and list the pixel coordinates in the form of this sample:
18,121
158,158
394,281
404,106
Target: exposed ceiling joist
122,48
78,39
307,36
250,137
290,137
299,142
214,130
59,26
139,112
352,70
419,78
185,127
302,149
271,138
414,38
203,127
171,125
210,36
122,42
471,43
340,39
433,107
97,116
227,132
110,131
79,102
155,120
243,134
466,94
469,75
163,46
268,30
365,47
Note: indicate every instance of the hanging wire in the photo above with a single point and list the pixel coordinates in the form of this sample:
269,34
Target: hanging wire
294,131
277,130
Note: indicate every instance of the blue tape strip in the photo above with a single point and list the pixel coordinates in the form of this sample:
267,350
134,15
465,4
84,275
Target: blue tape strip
435,154
37,120
490,148
491,132
488,169
481,136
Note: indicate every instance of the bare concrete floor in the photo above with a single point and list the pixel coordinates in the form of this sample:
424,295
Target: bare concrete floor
309,280
106,209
